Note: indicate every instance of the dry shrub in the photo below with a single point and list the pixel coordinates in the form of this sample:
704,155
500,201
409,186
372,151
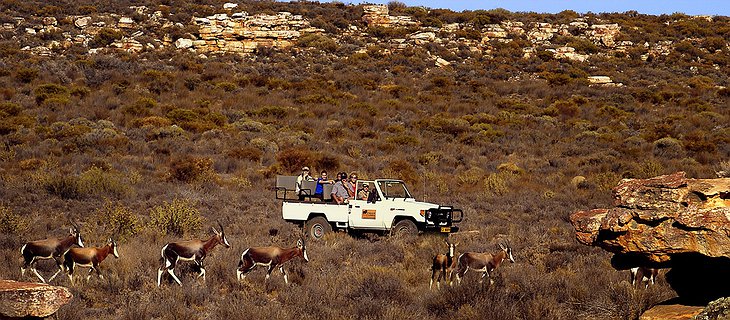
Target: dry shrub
246,153
180,217
12,223
498,184
153,121
293,159
190,169
668,148
650,168
64,186
401,169
117,220
99,182
32,164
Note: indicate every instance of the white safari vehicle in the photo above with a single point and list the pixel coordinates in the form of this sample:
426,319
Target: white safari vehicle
389,208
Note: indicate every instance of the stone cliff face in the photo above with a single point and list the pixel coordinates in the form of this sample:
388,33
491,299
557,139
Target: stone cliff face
668,222
242,33
660,217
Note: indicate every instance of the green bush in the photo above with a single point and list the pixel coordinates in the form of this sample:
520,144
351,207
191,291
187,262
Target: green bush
12,223
50,90
96,181
26,75
318,41
669,148
64,186
178,218
105,37
117,220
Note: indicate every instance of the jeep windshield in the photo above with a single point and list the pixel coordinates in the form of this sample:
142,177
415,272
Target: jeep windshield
394,189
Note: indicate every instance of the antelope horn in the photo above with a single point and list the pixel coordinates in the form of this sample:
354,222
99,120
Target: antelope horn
75,225
220,225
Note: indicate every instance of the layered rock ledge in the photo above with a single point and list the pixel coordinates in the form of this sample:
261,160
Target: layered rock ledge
23,299
656,219
668,221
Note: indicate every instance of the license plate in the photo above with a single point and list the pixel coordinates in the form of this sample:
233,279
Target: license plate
445,229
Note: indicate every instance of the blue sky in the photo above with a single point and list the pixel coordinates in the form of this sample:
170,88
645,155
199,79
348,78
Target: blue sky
656,7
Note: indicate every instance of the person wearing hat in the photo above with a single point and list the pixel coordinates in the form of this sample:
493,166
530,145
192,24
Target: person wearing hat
364,192
339,191
302,177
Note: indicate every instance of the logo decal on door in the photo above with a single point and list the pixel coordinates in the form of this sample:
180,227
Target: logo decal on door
368,214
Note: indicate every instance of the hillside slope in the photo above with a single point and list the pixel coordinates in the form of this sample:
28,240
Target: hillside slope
151,123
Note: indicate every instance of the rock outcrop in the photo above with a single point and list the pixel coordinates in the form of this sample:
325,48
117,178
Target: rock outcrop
379,15
671,312
668,222
660,217
22,299
242,33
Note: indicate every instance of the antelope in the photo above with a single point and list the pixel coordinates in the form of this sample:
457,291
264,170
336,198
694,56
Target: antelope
484,262
88,257
444,265
190,250
49,249
643,274
272,257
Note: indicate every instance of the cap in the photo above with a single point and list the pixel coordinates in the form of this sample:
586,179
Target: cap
364,185
305,169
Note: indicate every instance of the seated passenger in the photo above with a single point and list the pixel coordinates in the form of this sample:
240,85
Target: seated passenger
364,192
302,177
321,181
339,191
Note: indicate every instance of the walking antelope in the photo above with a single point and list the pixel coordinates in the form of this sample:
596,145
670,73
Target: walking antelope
273,257
484,262
88,257
444,265
190,250
49,249
643,274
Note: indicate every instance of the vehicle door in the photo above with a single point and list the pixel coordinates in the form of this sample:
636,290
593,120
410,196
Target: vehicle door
367,214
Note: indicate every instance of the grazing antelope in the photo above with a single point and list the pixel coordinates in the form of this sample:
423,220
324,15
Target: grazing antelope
643,274
273,257
484,262
49,249
190,250
444,265
88,257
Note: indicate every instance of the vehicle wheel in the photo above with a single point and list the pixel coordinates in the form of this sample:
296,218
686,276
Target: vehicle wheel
405,228
317,227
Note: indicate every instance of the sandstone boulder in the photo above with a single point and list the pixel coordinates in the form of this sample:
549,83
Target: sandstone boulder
671,312
660,217
668,221
22,299
82,22
183,43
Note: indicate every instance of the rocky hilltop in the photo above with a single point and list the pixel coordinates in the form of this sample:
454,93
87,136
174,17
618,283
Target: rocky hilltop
231,30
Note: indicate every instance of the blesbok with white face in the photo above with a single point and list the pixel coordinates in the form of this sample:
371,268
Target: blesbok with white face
643,275
272,257
49,249
89,257
190,250
444,265
484,262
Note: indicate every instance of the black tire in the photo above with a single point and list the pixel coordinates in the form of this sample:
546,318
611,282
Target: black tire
405,228
317,227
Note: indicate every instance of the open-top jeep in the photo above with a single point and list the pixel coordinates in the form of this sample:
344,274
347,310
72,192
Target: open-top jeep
390,208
